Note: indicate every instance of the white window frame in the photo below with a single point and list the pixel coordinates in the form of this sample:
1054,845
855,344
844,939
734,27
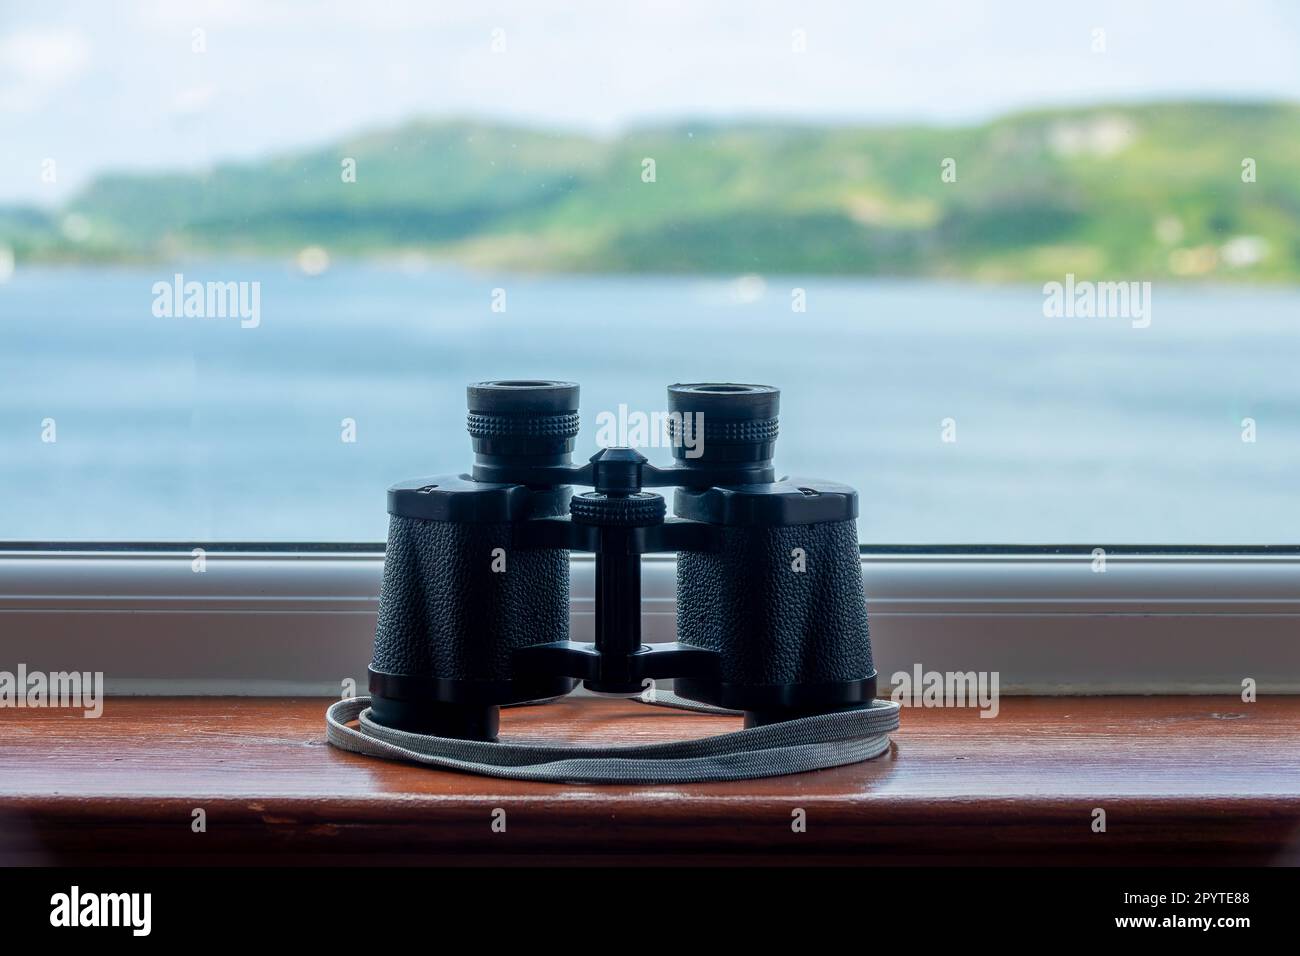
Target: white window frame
301,622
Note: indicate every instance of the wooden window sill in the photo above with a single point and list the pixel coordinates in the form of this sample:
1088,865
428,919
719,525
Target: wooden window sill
1181,780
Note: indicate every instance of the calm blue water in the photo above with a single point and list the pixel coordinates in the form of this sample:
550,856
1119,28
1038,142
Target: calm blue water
1068,430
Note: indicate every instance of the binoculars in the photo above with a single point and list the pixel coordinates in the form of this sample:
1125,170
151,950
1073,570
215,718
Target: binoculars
474,609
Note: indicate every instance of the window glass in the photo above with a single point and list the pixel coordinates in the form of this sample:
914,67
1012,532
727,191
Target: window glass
1025,275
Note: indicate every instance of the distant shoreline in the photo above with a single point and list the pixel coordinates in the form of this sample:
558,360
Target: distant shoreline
1168,191
218,267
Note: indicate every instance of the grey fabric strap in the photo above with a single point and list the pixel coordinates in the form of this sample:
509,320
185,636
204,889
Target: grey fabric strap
794,746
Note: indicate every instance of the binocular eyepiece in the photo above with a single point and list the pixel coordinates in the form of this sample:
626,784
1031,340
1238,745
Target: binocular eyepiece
523,422
726,423
474,611
716,431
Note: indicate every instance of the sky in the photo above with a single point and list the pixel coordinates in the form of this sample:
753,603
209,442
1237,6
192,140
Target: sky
98,85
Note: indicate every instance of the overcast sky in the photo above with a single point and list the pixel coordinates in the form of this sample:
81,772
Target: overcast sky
98,85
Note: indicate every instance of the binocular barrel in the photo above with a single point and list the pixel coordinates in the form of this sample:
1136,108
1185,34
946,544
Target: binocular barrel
474,611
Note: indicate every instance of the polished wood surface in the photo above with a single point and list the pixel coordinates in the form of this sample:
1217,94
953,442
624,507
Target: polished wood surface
1181,779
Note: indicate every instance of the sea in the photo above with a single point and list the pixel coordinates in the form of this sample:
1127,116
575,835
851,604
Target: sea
963,413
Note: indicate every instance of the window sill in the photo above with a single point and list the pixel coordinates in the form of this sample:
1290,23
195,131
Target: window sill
300,623
1181,779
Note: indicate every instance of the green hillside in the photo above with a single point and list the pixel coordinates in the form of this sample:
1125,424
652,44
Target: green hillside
1146,191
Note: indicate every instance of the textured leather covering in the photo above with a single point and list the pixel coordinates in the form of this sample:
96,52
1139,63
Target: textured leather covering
773,624
443,611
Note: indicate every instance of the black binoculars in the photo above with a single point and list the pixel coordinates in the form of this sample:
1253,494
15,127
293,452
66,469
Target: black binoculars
474,610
